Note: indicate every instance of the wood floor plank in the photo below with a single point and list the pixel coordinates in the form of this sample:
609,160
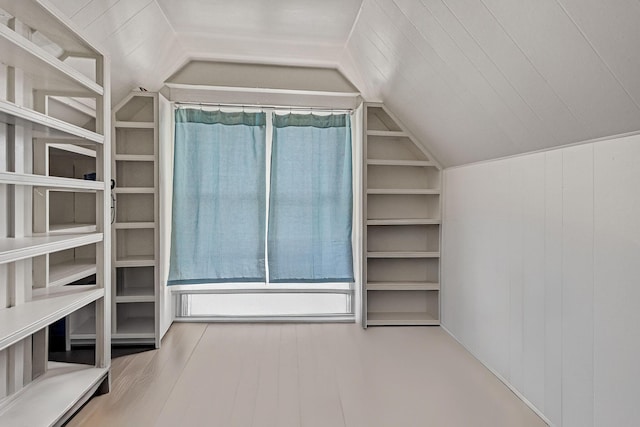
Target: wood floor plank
305,375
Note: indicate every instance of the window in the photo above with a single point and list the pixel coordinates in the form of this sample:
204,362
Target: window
246,178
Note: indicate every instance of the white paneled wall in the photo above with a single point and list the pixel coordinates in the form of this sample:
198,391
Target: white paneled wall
541,277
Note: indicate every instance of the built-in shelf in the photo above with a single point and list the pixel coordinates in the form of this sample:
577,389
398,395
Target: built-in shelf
134,298
135,261
70,271
135,190
135,157
47,72
44,125
135,327
135,125
48,305
71,228
404,221
75,149
402,191
387,133
64,387
404,254
415,163
403,286
134,225
401,318
53,182
14,249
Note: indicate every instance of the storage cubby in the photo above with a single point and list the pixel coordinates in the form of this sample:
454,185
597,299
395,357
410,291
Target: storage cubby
401,177
401,265
135,282
135,174
136,109
398,238
403,307
134,141
72,211
397,206
68,164
132,244
379,120
389,148
135,320
71,265
135,208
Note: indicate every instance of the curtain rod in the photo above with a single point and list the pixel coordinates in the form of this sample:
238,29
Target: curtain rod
260,106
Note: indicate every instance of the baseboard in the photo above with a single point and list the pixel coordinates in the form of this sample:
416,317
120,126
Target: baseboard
504,381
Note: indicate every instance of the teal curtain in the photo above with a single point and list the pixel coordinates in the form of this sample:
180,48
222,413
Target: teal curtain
219,197
310,206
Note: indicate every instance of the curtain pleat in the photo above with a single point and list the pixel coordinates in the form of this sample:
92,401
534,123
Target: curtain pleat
219,198
310,207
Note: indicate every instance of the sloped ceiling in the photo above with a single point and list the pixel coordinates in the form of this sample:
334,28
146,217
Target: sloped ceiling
473,79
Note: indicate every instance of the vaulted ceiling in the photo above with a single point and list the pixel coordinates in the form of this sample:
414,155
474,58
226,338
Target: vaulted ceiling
473,79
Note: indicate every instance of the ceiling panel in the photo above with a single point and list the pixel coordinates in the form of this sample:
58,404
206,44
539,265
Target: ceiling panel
327,21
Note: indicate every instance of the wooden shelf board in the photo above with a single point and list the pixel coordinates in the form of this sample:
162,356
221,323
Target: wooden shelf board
127,299
134,190
14,249
404,254
43,125
73,148
135,157
412,163
52,396
68,272
403,221
134,125
402,191
46,71
403,286
71,228
389,133
133,225
401,319
137,291
48,306
135,261
13,178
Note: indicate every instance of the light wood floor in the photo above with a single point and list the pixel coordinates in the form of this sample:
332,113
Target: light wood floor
284,375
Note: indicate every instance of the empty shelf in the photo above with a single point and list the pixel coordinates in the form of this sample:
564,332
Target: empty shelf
52,396
49,181
48,306
403,221
135,327
420,163
43,124
400,318
70,271
136,261
14,249
133,225
135,125
135,157
47,71
134,190
402,191
72,228
389,133
403,286
407,254
75,149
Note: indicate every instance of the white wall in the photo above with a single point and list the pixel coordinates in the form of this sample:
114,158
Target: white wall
541,277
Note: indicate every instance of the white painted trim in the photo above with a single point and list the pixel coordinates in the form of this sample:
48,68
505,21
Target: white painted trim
260,90
501,378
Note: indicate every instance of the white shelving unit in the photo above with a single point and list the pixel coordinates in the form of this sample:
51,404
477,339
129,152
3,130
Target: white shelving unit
49,214
401,210
135,229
